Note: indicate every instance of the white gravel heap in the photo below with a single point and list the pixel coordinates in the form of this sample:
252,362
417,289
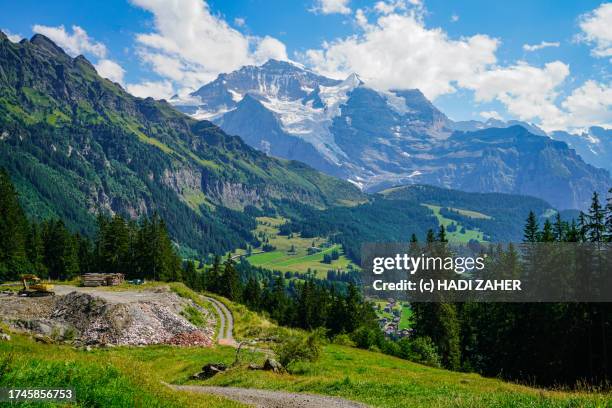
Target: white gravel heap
141,322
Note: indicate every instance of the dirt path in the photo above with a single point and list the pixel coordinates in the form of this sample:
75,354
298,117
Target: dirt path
272,399
226,326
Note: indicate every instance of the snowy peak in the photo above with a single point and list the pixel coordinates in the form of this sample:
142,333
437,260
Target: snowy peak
352,81
274,79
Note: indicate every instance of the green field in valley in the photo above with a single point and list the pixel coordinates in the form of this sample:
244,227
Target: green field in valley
291,253
457,236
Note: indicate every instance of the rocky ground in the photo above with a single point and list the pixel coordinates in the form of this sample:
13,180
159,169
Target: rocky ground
95,316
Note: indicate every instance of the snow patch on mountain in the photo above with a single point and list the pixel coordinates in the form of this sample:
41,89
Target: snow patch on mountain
313,124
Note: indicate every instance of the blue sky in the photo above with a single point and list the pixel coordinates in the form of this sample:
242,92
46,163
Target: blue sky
545,62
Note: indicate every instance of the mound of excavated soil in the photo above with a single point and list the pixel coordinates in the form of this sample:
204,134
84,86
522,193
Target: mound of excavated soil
139,319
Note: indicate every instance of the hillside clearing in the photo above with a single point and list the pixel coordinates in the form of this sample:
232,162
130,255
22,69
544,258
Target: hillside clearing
293,253
457,236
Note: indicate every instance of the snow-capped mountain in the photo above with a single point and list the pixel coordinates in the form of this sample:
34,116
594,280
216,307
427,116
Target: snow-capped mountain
379,139
594,145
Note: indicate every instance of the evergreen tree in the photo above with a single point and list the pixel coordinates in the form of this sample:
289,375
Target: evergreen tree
13,231
559,228
430,237
60,253
251,295
547,234
595,228
213,281
35,250
442,234
190,275
230,281
84,254
531,229
583,226
573,234
276,302
609,216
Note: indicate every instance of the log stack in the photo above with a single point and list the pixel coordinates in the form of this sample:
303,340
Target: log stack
102,279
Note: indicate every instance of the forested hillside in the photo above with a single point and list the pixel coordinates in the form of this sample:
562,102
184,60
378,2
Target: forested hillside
76,144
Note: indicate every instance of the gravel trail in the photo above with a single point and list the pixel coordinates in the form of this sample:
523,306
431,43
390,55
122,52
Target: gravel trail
226,327
272,399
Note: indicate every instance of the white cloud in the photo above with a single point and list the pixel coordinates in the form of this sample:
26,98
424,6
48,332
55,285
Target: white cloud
589,105
388,7
454,18
190,46
11,36
154,89
110,69
239,21
491,115
74,44
543,44
596,29
528,92
331,7
398,51
269,47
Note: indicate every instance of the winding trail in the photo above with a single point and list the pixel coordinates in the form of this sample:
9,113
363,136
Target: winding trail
226,326
272,399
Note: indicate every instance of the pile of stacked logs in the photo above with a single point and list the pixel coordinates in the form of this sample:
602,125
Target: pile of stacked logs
102,279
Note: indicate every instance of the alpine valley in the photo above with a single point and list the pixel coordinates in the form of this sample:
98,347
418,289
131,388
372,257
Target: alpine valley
77,145
380,139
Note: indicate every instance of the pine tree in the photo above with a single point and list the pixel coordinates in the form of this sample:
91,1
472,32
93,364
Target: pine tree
583,227
547,234
84,254
230,281
190,275
531,229
13,231
559,228
609,216
251,295
573,234
430,237
276,302
213,281
61,257
442,234
596,228
35,250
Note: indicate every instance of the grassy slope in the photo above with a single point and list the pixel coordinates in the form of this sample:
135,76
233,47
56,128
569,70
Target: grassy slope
115,377
298,261
108,378
457,236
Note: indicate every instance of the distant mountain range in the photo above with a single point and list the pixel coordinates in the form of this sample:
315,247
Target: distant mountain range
380,139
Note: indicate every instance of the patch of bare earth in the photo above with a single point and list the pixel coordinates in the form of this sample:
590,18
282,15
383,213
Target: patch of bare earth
97,316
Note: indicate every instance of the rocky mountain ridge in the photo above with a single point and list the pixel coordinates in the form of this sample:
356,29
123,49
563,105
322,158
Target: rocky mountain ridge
378,139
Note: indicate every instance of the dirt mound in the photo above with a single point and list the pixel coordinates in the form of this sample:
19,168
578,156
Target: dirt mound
119,318
195,338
